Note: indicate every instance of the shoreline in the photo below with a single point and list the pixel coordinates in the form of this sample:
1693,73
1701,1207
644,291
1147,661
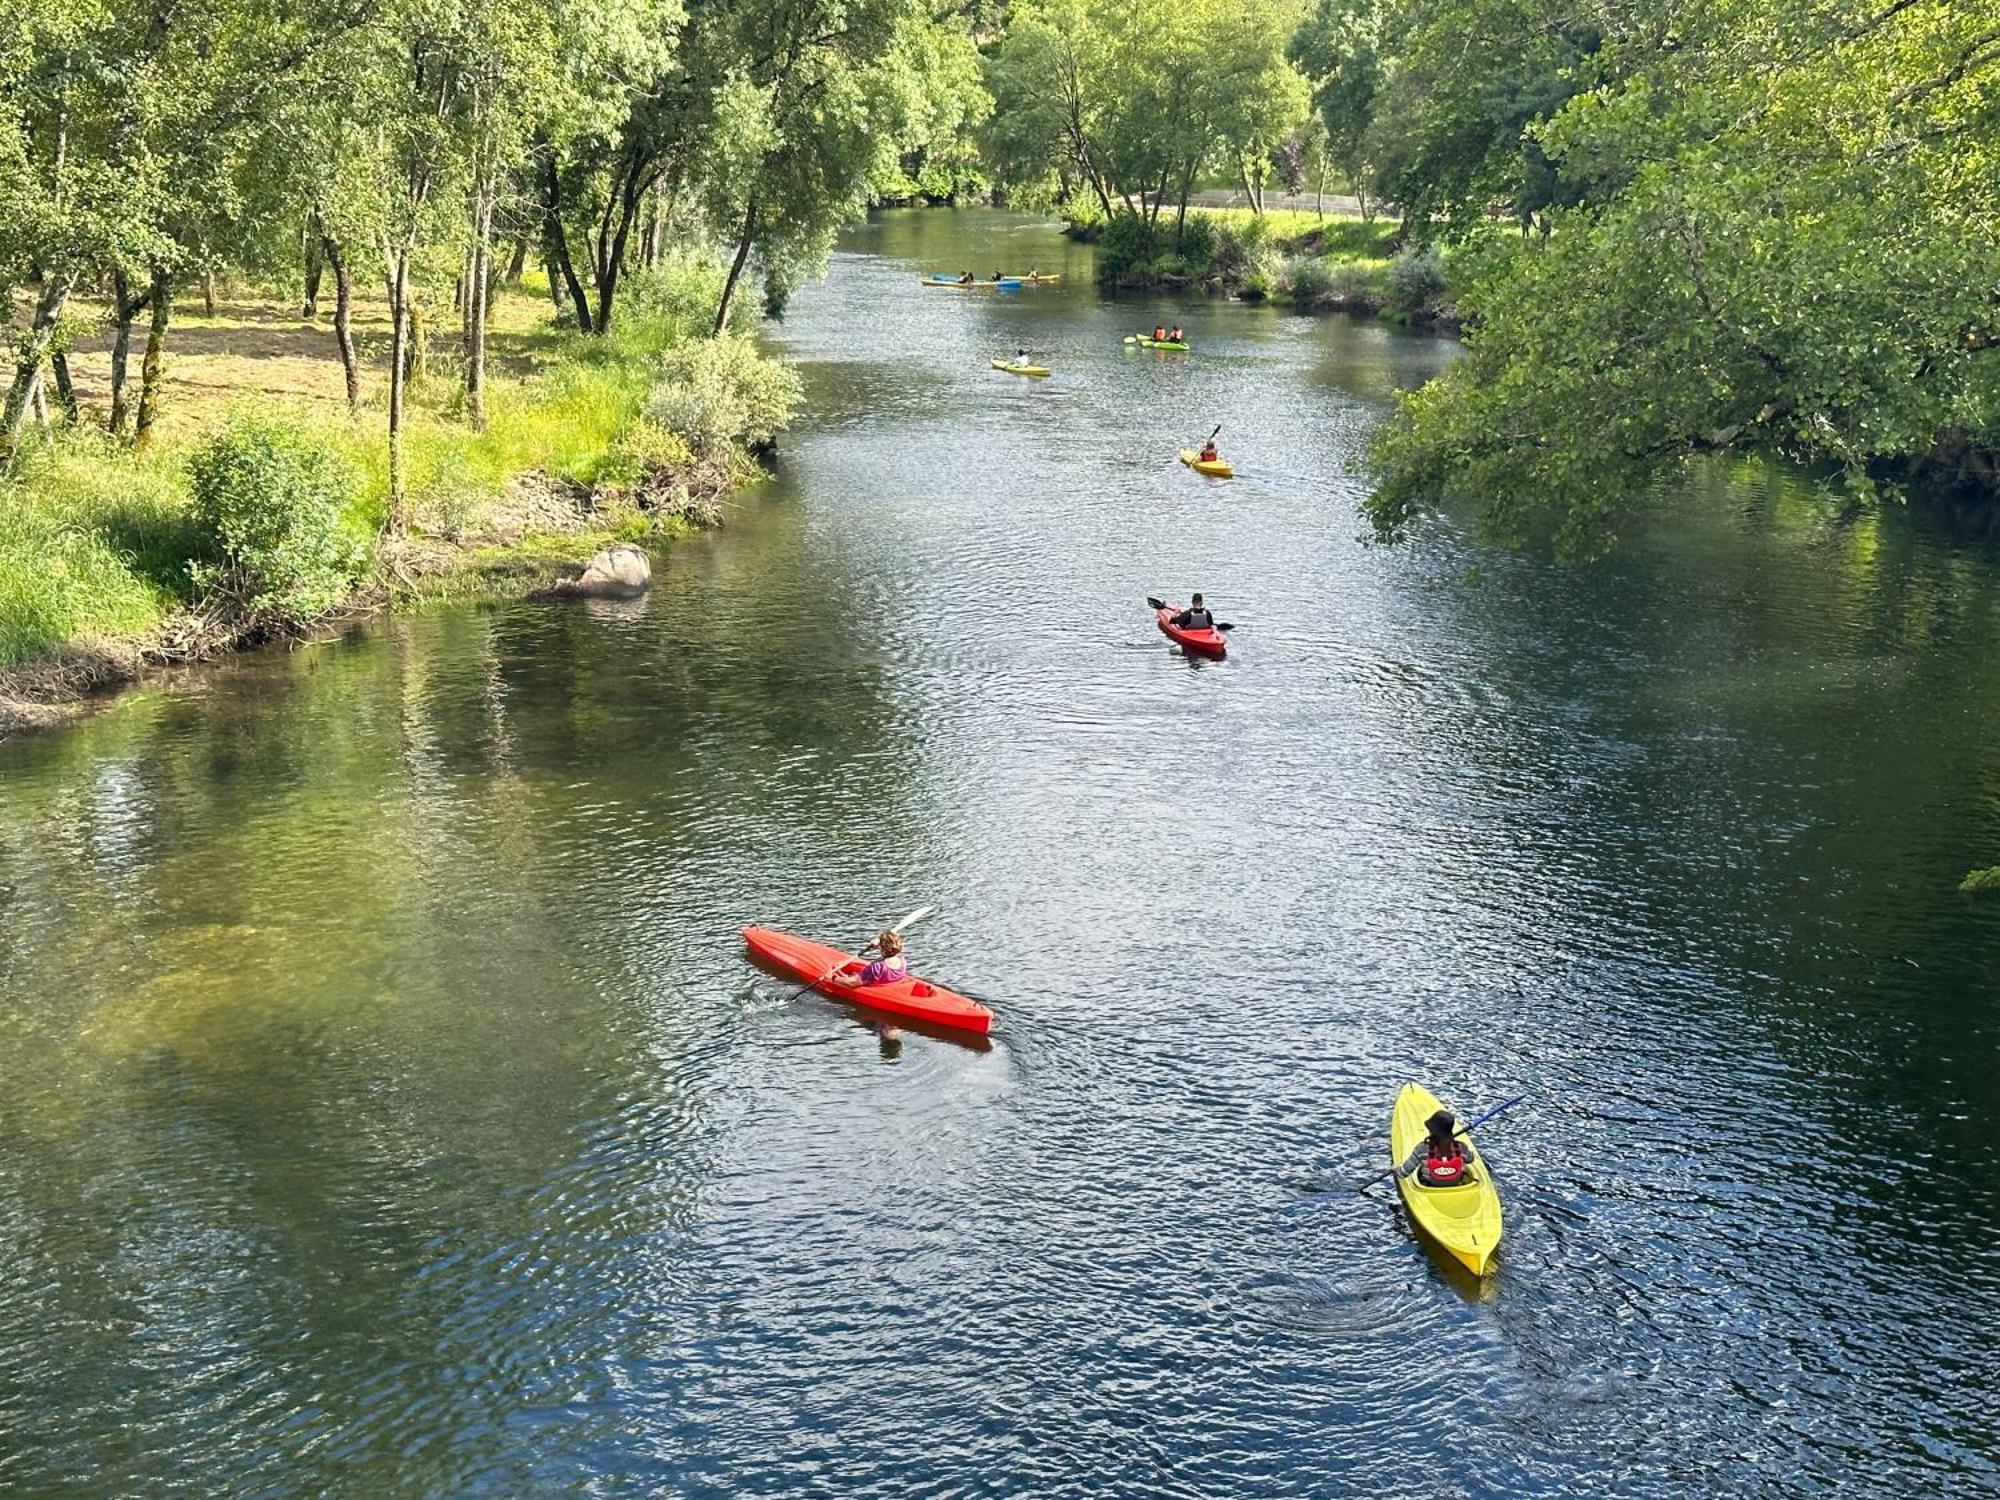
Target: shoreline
90,673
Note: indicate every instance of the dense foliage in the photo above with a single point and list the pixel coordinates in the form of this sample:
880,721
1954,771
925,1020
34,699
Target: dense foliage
273,503
424,146
1781,237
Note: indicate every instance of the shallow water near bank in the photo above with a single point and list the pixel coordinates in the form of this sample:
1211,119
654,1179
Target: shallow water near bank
389,1107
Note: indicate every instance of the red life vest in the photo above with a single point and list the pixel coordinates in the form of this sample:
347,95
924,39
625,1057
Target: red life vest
1444,1171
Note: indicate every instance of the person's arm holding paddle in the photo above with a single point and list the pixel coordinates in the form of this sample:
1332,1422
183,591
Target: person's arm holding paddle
887,969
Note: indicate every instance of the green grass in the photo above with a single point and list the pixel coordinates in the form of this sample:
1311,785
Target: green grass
95,538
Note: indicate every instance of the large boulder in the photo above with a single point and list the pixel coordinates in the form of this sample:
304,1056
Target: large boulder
615,573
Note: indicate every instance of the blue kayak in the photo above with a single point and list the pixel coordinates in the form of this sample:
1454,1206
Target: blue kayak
1004,284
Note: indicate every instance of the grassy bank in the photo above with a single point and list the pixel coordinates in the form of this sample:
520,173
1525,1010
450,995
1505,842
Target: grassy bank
1303,260
259,507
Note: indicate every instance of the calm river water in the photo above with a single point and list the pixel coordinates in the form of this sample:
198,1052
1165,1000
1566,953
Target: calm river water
388,1107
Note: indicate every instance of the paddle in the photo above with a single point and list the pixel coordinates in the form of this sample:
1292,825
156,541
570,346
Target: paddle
1162,604
910,921
1471,1125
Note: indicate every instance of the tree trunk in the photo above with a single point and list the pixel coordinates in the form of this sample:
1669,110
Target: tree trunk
1250,189
65,392
417,345
309,307
614,232
125,307
343,321
649,236
559,241
475,305
149,367
555,281
208,293
24,394
399,284
519,262
736,265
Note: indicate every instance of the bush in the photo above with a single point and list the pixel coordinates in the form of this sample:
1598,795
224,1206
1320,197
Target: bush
1308,281
643,451
1121,247
716,393
1350,285
1196,246
269,498
682,293
1416,278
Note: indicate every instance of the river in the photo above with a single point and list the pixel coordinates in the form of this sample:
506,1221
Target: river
388,1107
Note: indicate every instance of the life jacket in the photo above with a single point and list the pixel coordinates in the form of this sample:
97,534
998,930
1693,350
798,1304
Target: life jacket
1444,1171
1198,619
1209,454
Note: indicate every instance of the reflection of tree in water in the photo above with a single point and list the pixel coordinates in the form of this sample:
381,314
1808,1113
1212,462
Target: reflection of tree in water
305,1055
1737,762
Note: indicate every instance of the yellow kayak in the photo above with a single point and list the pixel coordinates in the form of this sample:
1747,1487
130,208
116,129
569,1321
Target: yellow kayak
1464,1219
1215,468
1013,369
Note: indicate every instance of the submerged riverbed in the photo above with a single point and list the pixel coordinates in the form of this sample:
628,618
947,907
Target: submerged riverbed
388,1107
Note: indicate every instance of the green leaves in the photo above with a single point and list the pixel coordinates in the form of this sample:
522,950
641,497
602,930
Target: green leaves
1795,256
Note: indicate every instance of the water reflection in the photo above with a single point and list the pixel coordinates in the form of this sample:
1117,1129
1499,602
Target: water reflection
390,1107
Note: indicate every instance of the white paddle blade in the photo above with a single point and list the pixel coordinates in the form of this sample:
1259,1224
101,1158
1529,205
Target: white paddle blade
913,918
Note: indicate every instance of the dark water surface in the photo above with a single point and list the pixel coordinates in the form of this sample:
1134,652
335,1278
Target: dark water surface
387,1107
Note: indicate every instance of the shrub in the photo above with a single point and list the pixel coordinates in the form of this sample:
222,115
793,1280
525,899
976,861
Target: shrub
269,496
1122,247
1196,246
716,393
1416,278
1307,280
1350,285
681,292
643,451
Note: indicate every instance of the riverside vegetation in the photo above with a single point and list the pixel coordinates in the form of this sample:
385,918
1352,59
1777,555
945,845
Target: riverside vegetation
1674,230
408,157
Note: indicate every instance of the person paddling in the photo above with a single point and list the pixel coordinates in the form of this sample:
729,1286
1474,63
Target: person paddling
1196,616
966,279
1439,1158
1176,336
887,969
1159,333
1209,453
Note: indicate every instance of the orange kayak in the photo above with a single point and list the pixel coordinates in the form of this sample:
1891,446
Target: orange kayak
1204,642
913,997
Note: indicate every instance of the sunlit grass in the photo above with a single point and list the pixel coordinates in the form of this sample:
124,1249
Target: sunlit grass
95,536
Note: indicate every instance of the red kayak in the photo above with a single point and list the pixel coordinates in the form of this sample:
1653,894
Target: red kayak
913,997
1207,642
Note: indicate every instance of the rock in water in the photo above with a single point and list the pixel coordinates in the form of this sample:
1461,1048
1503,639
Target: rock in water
615,573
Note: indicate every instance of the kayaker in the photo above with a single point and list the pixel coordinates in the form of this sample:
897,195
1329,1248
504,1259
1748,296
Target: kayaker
887,969
966,279
1209,454
1159,333
1196,616
1439,1158
1176,336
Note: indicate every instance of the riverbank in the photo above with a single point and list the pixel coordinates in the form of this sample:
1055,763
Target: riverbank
259,510
1307,260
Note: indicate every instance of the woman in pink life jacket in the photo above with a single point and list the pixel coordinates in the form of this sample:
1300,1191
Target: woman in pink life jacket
887,969
1439,1158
